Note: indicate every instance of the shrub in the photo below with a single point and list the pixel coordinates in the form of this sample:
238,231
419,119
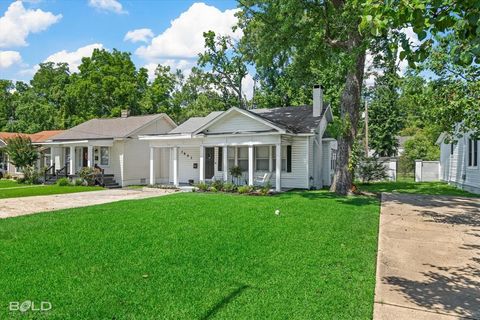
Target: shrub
245,189
88,174
236,172
229,187
31,175
22,154
370,169
213,189
79,182
265,189
7,176
63,182
217,184
202,186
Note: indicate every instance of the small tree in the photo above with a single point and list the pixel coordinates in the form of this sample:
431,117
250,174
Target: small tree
236,172
371,169
22,154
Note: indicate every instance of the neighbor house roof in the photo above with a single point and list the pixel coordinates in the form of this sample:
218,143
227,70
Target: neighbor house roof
108,128
9,135
45,135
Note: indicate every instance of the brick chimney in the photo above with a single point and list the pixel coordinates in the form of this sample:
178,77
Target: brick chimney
317,100
125,113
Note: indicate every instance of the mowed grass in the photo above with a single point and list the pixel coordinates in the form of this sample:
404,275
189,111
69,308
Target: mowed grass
13,189
196,256
410,186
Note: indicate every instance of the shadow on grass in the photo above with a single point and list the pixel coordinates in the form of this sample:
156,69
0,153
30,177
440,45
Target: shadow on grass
323,194
226,300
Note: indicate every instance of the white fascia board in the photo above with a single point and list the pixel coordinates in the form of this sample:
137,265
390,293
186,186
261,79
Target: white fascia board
166,137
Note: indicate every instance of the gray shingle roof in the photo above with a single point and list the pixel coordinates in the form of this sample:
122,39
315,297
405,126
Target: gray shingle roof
192,124
106,128
293,119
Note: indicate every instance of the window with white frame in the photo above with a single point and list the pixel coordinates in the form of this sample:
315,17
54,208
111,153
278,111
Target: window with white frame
472,152
243,158
104,156
262,158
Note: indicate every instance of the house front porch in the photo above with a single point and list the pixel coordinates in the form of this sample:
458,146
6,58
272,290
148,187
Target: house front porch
181,165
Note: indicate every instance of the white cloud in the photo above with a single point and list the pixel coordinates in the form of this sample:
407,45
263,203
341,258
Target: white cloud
107,5
9,58
74,58
30,72
17,23
184,38
184,65
139,35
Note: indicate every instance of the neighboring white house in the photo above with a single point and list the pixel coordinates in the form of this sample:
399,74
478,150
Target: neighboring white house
111,144
459,163
286,146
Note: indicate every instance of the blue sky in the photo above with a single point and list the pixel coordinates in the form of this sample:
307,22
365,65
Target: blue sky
163,31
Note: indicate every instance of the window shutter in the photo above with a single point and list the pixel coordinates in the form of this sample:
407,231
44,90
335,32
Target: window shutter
220,159
470,152
475,152
289,158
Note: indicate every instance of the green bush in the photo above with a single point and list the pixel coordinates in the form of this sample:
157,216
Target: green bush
265,189
213,189
229,187
87,174
31,175
218,184
245,189
64,182
78,182
236,172
202,186
371,169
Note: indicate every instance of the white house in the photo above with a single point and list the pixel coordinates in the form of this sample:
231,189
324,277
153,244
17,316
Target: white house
111,144
287,146
459,163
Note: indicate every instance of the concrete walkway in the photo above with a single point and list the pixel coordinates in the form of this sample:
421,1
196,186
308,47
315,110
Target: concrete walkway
428,263
27,205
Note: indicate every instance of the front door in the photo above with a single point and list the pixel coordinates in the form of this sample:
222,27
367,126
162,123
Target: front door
84,157
209,163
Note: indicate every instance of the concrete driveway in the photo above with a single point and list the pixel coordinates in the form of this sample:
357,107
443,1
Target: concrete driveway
27,205
428,263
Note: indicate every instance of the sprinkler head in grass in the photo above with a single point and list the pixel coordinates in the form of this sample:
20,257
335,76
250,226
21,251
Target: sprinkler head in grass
277,212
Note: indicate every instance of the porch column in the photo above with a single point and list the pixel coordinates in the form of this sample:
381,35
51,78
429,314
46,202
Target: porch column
201,165
225,163
152,165
278,166
175,166
89,156
270,159
250,165
72,160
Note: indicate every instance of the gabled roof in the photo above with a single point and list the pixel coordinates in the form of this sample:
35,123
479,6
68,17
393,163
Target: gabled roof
293,119
192,124
9,135
290,119
109,128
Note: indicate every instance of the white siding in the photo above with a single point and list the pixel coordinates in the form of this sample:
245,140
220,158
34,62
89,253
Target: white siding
299,177
454,167
186,158
237,122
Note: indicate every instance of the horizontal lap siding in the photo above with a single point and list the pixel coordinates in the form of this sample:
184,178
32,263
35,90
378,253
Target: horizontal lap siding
455,167
186,158
237,123
298,178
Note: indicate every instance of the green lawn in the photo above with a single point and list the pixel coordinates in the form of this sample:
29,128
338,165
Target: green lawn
196,256
13,189
410,186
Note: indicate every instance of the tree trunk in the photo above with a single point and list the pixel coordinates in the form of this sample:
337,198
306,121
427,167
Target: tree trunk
350,112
